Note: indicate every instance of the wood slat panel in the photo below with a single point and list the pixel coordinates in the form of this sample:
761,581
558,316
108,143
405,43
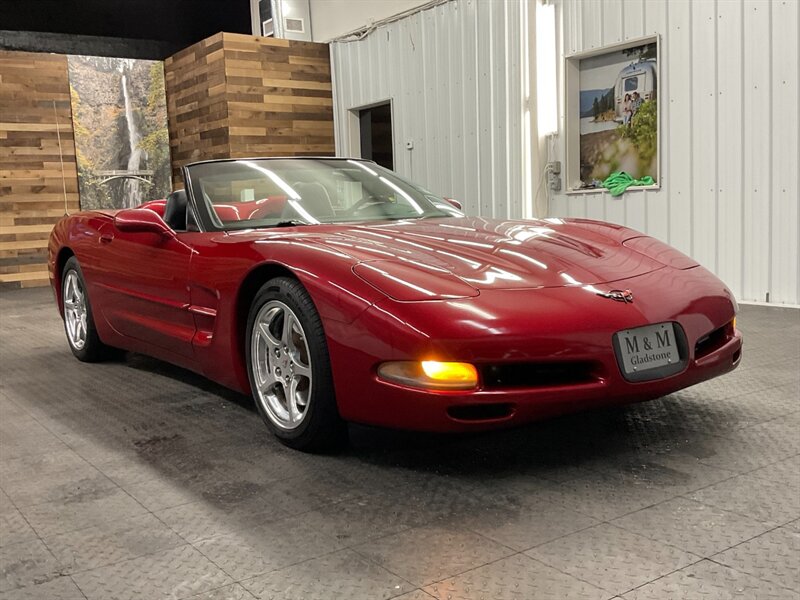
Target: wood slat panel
238,95
34,110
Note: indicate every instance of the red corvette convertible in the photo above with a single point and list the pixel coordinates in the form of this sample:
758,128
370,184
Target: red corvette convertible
334,290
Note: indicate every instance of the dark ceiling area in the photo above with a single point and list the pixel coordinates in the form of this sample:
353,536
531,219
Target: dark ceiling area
128,28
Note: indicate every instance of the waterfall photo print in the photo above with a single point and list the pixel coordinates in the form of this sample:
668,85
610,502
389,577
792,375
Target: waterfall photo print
119,117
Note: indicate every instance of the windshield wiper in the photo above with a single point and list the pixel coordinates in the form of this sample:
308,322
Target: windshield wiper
290,223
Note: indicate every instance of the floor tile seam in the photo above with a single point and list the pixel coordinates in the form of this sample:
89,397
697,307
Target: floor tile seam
193,540
780,460
64,575
246,591
475,568
633,589
742,572
428,523
731,435
57,436
77,587
750,539
608,521
595,524
244,580
35,531
573,576
775,418
17,404
739,474
736,395
769,526
73,574
416,589
644,537
128,558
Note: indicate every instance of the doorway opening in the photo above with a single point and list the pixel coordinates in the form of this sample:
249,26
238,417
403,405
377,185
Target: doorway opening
375,126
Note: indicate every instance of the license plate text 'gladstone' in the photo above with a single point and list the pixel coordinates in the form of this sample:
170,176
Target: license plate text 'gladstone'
648,347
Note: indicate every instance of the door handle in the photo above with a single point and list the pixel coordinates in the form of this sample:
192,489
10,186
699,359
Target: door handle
105,238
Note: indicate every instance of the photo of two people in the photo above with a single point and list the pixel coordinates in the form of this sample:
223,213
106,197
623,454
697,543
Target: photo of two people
619,114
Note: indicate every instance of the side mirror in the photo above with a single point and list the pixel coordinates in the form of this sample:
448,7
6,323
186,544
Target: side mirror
455,203
141,220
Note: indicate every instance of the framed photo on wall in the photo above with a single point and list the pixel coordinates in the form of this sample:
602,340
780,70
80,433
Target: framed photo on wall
612,119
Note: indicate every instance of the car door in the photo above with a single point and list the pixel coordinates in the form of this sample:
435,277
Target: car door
144,284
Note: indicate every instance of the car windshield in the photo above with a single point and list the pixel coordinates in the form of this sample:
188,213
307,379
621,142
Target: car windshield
248,193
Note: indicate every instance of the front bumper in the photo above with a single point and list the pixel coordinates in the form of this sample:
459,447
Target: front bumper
407,408
547,326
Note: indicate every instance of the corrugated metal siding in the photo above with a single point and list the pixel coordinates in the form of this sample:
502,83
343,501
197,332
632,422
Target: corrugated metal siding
454,74
730,130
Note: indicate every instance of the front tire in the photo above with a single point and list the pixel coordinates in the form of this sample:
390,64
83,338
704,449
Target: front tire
78,317
289,368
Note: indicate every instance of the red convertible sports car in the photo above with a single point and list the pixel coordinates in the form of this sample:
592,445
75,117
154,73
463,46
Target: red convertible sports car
334,290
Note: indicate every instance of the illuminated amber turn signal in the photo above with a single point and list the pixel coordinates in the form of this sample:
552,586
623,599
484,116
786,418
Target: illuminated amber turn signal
431,374
450,371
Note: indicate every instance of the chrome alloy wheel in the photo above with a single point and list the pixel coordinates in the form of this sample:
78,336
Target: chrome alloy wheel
281,364
75,310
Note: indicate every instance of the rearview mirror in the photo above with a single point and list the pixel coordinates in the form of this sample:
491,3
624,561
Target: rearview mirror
141,220
455,203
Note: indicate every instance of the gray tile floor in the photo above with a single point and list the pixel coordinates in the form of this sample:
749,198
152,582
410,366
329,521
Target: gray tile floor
136,479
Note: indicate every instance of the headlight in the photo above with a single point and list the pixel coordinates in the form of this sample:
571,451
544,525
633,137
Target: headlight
431,374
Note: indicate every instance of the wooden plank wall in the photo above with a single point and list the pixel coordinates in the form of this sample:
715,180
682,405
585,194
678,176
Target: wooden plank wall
239,95
197,108
280,101
32,197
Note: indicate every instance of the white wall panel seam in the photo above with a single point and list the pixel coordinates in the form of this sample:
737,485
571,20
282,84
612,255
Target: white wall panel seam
715,268
742,153
770,161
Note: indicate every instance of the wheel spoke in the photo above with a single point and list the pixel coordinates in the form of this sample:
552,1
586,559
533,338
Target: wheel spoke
300,369
291,401
75,329
271,340
69,291
286,333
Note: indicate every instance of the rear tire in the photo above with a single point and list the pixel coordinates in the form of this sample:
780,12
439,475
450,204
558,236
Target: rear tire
79,318
289,368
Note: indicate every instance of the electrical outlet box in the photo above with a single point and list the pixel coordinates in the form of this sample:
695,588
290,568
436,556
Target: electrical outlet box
554,176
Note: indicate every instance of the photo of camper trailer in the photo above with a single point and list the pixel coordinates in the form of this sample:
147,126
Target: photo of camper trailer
619,114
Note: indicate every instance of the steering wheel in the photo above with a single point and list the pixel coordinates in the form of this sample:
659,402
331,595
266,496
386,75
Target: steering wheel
368,202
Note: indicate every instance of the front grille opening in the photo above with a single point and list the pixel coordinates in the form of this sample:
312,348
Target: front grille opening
481,412
529,375
712,341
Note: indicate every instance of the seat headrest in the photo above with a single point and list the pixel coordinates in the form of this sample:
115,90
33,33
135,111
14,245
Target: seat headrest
175,210
315,198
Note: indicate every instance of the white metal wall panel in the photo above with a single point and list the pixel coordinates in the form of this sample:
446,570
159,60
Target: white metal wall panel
785,164
730,124
454,75
757,149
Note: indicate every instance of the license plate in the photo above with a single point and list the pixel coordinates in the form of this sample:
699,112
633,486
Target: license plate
647,348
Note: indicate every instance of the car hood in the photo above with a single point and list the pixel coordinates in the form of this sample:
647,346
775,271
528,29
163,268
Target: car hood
488,254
